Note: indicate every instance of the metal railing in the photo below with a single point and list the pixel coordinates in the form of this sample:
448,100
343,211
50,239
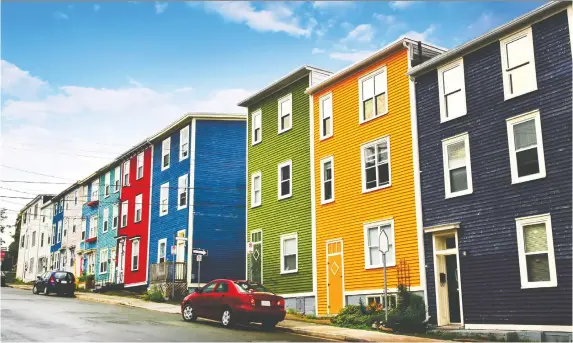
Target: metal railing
164,272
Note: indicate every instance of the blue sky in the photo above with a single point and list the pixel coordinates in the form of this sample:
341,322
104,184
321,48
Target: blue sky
91,79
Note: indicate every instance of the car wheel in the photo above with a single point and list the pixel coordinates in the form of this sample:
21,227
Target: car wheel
35,290
269,324
189,313
227,318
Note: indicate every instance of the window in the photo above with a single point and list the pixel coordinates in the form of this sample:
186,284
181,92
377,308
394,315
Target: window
256,127
74,228
373,256
103,261
76,197
326,116
36,211
93,226
66,201
518,64
526,155
256,179
59,231
116,175
223,287
91,263
452,90
139,166
535,248
114,215
183,143
164,199
31,271
379,299
208,288
457,166
373,95
65,227
22,241
182,192
285,113
327,180
107,184
289,253
95,189
54,233
42,240
83,233
124,213
161,250
24,217
34,238
138,207
72,259
135,254
105,219
376,165
165,153
126,167
285,180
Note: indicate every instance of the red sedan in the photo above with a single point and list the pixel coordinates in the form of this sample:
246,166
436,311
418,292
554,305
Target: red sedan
234,302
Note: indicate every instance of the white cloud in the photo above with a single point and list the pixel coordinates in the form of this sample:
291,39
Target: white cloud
385,19
400,5
485,22
60,15
361,33
19,83
426,35
160,7
353,56
97,7
331,4
275,17
317,51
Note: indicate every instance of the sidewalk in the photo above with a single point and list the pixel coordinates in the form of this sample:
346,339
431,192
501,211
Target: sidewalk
294,326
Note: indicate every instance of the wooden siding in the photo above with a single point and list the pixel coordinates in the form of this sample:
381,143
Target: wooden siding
293,215
490,277
345,217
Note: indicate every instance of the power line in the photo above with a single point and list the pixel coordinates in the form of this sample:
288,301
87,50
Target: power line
35,173
59,153
36,182
130,186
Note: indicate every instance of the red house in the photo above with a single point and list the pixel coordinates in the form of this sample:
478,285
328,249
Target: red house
134,208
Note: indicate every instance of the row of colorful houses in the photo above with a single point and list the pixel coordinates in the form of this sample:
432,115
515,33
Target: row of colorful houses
461,157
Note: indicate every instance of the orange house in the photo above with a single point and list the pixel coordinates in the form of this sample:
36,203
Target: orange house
363,178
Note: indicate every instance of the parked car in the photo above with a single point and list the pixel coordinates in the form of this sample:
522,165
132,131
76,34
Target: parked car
2,279
234,302
59,282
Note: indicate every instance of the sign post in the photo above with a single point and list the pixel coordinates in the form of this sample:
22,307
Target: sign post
250,250
200,253
384,247
199,258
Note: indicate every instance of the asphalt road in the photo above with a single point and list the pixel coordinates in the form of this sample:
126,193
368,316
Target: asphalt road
28,317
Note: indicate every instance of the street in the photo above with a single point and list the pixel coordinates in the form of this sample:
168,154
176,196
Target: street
29,317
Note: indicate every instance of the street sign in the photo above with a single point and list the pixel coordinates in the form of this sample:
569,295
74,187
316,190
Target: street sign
199,258
250,248
383,242
200,252
179,238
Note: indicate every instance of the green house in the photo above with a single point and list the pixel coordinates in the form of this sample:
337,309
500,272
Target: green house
279,222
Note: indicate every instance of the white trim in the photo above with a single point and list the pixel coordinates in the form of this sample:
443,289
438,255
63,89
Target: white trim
258,112
253,175
191,200
162,240
117,177
443,227
570,22
526,32
443,113
105,220
133,240
363,164
125,173
246,208
163,186
322,189
279,111
179,192
297,295
459,280
135,284
165,152
520,327
149,214
380,291
281,165
181,131
313,205
137,176
372,75
531,220
106,185
283,239
321,112
121,223
99,260
377,224
535,115
138,205
250,237
464,137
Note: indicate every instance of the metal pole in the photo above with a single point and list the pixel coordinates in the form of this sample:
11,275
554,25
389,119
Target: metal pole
199,274
174,259
385,289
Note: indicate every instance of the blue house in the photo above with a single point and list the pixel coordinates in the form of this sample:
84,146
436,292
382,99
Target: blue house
198,195
494,132
57,233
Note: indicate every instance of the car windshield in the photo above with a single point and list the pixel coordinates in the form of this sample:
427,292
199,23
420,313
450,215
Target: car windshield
245,287
61,275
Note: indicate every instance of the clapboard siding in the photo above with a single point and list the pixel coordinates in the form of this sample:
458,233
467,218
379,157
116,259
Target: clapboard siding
490,277
293,215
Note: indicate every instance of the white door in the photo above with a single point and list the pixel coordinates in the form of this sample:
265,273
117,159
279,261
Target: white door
112,277
180,251
121,260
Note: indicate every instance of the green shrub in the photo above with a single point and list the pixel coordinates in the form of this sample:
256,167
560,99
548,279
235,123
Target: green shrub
83,277
410,314
351,316
154,294
291,311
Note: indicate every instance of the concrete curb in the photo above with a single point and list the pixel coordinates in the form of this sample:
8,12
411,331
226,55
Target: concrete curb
333,336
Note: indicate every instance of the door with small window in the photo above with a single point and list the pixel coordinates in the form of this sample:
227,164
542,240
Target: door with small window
335,276
257,257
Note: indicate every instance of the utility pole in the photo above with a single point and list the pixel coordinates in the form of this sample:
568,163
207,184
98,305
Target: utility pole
384,247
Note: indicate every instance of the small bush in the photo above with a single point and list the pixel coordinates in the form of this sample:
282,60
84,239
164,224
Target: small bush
155,295
351,316
291,311
410,315
83,277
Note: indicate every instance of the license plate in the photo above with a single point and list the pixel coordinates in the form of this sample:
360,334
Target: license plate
63,281
265,303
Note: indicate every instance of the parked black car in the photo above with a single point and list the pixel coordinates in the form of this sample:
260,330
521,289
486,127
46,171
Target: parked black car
59,282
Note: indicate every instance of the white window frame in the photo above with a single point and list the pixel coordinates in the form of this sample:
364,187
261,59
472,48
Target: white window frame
504,63
360,100
107,186
280,166
139,175
280,114
443,108
464,137
322,99
59,232
126,166
183,139
114,215
182,185
363,164
531,220
256,113
95,191
124,213
253,176
105,224
91,263
116,179
533,115
164,199
133,254
159,242
138,208
368,226
75,197
103,263
323,161
93,227
166,151
283,239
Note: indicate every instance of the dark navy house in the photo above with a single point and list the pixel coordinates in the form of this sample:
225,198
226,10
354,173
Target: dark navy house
198,199
493,122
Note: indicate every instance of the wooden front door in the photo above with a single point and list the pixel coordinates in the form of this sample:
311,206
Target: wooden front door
335,276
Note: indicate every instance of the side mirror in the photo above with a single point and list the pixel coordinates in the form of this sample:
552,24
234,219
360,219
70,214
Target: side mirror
197,290
39,277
